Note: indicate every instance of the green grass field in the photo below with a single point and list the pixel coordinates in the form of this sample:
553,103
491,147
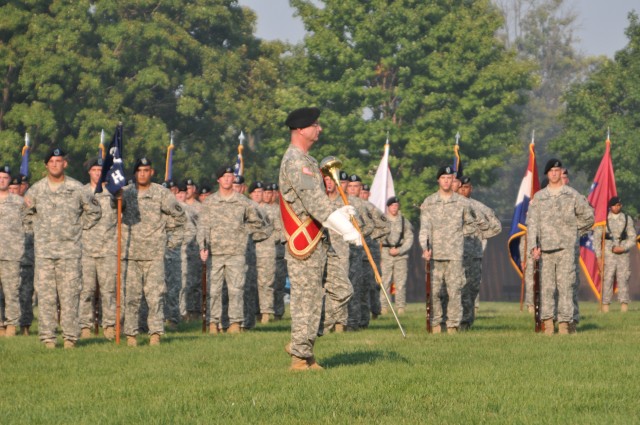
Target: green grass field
500,372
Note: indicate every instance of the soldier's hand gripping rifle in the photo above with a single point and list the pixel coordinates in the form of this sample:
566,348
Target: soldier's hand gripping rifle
204,297
330,166
428,288
536,291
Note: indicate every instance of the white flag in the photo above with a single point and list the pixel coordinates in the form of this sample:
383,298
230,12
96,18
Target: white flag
382,186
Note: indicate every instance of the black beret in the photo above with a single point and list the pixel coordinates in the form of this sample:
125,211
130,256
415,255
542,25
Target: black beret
238,180
256,185
15,181
205,189
344,176
25,179
5,169
189,182
552,163
168,184
268,186
355,178
565,171
393,200
302,118
95,162
464,179
165,184
54,152
223,170
444,170
142,162
614,201
365,187
182,187
275,186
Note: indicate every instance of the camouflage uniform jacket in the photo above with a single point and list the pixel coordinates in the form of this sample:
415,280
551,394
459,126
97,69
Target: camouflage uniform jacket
442,222
338,244
473,247
265,245
145,218
400,235
58,218
557,220
190,227
613,233
273,211
100,240
12,232
225,224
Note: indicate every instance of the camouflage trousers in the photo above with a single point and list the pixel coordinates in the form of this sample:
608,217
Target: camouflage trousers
370,303
280,282
528,281
250,293
58,280
266,271
447,282
232,270
173,267
10,287
144,278
394,269
191,287
98,271
338,291
616,267
471,288
558,273
306,299
354,307
26,294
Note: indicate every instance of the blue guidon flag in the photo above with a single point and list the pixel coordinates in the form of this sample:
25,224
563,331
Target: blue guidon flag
113,169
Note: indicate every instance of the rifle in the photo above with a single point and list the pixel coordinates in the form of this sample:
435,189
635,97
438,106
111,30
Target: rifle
428,288
536,292
96,310
204,297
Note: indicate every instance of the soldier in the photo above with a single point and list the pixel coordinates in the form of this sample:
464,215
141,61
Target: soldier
227,220
146,208
173,264
99,261
474,243
14,186
557,216
619,238
576,284
205,191
11,252
190,286
266,253
239,185
442,219
58,208
305,206
395,254
24,185
365,192
281,264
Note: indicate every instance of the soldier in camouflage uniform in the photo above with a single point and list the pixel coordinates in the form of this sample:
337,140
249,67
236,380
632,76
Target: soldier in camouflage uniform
619,238
59,208
99,260
226,222
273,210
26,265
11,252
395,254
557,216
191,284
365,192
148,210
266,257
474,243
303,192
443,217
174,268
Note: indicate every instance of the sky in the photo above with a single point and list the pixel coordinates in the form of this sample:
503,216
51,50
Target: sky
601,23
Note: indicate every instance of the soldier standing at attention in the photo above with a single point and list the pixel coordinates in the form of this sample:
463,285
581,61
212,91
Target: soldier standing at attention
227,221
11,252
474,242
147,207
281,264
239,185
619,238
364,193
304,206
442,219
58,208
266,256
99,260
395,254
557,216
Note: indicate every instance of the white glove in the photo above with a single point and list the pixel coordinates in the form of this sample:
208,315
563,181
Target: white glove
339,222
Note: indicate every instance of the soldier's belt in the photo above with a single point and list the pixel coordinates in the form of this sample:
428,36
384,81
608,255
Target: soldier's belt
302,236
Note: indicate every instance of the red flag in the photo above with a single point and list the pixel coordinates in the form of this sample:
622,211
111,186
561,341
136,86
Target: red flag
602,189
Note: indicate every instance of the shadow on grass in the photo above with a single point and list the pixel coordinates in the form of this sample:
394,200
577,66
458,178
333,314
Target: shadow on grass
362,357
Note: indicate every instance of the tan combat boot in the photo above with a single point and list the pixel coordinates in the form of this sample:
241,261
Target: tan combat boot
563,328
213,329
154,340
109,333
548,327
605,308
313,365
2,331
531,309
452,330
85,333
69,344
50,344
234,328
384,311
338,328
298,363
436,329
24,330
400,311
265,318
10,331
132,341
624,307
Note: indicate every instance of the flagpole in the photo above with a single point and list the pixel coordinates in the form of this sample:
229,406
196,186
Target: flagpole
119,265
524,260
